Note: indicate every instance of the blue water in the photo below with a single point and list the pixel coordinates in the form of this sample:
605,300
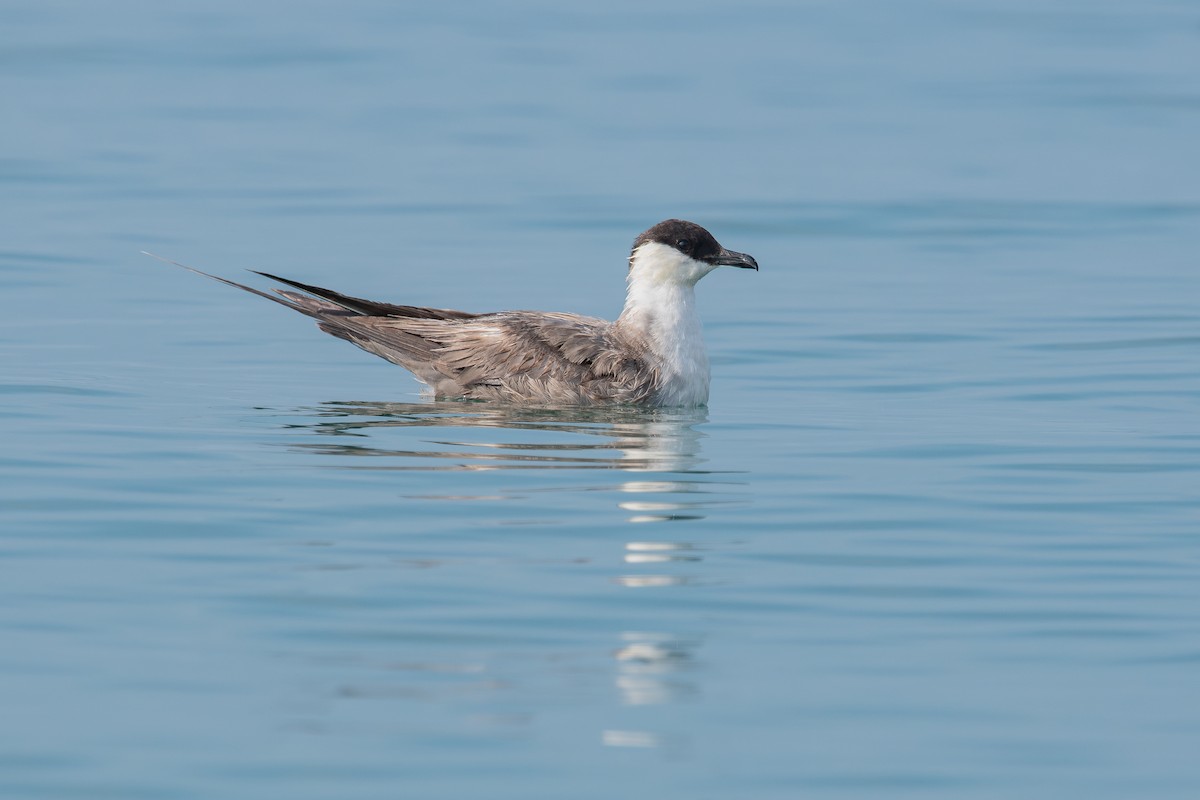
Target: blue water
936,535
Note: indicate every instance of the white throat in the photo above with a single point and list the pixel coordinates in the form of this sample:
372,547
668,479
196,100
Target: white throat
660,308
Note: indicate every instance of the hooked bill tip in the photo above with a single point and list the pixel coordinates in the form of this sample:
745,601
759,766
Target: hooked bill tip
729,258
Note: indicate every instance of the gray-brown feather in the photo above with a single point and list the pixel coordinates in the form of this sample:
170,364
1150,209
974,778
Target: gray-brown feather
518,356
514,355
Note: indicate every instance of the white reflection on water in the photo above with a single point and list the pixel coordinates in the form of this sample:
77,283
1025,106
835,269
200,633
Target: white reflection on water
652,667
658,552
660,450
650,581
629,439
635,440
652,670
630,739
476,436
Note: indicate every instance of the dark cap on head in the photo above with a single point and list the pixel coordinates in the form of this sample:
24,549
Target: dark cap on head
693,241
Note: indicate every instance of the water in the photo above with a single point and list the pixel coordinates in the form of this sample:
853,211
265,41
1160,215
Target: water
935,536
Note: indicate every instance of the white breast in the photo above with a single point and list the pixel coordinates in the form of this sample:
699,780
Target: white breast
660,306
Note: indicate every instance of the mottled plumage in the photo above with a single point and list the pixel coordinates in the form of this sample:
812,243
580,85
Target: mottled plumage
651,355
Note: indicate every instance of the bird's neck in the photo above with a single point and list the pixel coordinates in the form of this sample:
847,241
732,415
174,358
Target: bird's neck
662,317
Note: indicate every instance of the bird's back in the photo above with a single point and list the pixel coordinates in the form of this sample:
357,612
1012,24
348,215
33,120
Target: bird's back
515,356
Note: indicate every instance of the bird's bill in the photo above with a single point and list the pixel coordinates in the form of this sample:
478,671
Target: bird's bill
729,258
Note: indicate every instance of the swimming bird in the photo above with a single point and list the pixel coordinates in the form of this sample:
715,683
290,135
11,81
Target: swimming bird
652,354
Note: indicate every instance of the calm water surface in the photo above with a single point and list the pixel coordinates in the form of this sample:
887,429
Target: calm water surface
936,535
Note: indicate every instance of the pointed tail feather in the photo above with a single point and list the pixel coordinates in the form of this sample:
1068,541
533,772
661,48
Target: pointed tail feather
370,308
314,308
354,304
283,301
361,322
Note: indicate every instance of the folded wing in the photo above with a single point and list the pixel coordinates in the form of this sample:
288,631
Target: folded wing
512,355
523,356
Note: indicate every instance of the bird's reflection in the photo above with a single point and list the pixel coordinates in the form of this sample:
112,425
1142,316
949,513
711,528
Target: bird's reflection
652,668
449,436
664,477
629,439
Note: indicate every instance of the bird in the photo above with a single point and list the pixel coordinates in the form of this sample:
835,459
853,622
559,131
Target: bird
652,355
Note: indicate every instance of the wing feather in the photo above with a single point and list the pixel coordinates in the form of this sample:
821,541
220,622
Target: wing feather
567,357
516,355
519,356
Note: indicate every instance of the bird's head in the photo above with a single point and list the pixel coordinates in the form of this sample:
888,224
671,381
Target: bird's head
679,252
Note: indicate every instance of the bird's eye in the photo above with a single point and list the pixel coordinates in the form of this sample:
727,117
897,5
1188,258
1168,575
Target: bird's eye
683,244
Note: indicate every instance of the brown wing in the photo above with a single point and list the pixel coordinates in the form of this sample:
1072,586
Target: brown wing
514,355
